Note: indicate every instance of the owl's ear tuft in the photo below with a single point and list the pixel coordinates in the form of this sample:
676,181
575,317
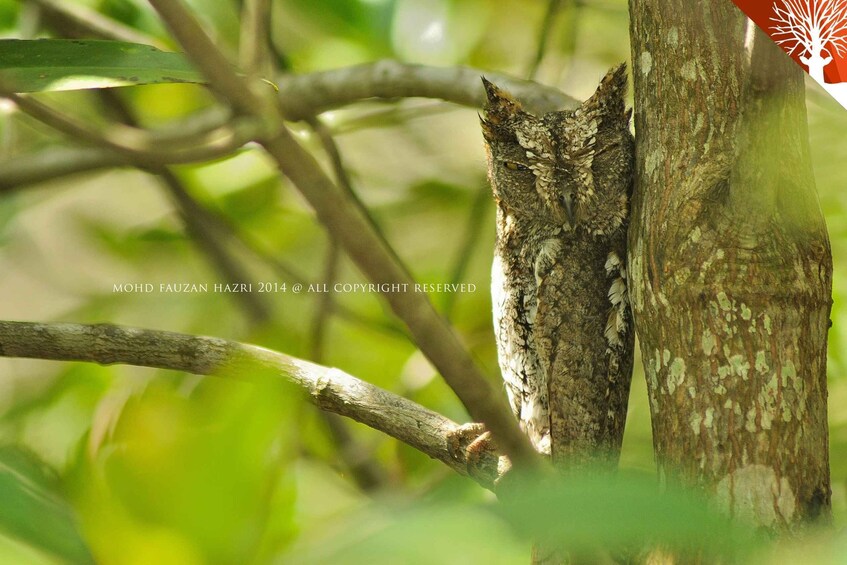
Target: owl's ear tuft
500,106
489,130
609,96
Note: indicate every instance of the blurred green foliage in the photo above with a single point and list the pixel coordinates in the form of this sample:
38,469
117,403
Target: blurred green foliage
141,466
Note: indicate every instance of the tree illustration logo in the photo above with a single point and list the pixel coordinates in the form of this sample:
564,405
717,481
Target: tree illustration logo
814,31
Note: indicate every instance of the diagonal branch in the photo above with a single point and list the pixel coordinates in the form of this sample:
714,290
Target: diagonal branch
342,217
328,388
346,222
553,7
199,224
77,19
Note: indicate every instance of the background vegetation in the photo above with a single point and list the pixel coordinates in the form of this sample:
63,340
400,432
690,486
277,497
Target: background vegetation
163,467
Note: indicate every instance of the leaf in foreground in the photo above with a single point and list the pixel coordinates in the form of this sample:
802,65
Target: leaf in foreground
32,511
41,65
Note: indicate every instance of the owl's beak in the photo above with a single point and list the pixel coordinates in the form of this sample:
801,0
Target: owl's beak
567,202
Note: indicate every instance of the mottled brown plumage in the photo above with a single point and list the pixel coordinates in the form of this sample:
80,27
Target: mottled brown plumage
562,183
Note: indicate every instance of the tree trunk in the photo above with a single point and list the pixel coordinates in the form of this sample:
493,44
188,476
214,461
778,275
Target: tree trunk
730,263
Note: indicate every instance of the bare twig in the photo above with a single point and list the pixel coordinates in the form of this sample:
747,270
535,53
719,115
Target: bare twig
288,272
203,52
323,308
254,40
301,96
199,226
40,166
213,246
543,37
470,241
137,144
365,470
305,95
328,388
73,18
352,229
343,181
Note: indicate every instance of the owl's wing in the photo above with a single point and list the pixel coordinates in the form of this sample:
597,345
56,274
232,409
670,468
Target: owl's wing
583,373
511,336
513,300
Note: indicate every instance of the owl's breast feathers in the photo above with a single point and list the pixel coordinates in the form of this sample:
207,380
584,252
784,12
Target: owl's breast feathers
583,336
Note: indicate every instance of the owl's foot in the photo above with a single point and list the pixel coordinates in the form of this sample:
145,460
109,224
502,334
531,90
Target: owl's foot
475,446
467,439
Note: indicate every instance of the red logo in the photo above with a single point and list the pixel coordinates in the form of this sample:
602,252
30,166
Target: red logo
812,32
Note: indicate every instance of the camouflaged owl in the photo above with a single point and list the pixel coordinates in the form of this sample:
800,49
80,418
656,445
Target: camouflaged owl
562,183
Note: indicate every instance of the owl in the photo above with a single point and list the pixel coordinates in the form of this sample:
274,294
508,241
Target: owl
562,183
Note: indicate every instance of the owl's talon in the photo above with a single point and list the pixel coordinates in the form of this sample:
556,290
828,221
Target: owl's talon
475,446
460,440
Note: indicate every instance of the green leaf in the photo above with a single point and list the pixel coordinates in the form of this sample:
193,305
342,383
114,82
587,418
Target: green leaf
622,512
71,64
31,509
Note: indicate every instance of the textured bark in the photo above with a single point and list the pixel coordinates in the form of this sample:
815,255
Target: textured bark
730,263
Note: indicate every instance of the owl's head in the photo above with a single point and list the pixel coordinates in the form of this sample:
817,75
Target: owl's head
571,168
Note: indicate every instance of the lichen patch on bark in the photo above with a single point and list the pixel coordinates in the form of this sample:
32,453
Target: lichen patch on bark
754,494
646,62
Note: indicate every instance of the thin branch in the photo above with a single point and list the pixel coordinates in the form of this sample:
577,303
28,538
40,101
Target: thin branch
473,229
199,227
323,308
309,94
288,272
302,96
343,181
365,470
196,221
40,166
77,19
351,228
279,59
543,37
330,147
137,144
255,25
206,56
328,388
